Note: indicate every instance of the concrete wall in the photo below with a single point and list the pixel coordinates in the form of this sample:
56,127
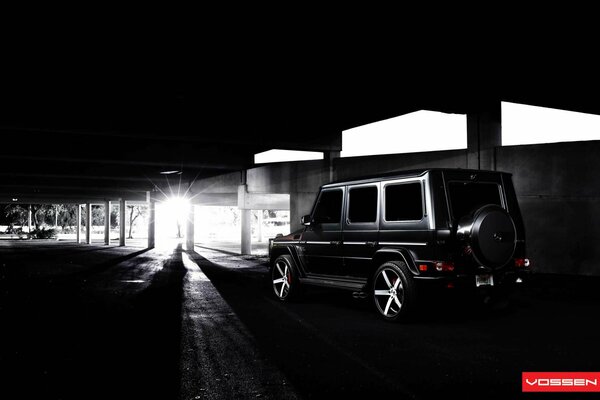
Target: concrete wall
300,179
557,187
559,194
347,168
226,183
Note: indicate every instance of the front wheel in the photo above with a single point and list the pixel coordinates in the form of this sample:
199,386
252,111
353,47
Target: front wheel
286,285
394,291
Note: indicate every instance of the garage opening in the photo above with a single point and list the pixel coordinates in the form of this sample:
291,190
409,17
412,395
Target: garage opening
59,222
219,227
171,220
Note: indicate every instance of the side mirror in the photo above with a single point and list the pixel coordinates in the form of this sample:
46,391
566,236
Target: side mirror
305,220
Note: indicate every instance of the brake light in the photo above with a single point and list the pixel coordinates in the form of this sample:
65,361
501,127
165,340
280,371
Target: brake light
423,267
522,262
444,266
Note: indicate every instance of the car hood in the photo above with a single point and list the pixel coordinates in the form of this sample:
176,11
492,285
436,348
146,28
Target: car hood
296,235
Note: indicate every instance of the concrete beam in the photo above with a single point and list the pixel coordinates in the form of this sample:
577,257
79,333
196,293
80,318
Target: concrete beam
122,211
261,201
215,199
107,222
484,134
65,198
88,223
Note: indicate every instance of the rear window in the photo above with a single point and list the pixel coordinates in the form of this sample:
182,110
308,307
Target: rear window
466,197
404,202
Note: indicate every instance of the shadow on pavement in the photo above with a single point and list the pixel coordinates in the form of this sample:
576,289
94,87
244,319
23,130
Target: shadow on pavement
95,338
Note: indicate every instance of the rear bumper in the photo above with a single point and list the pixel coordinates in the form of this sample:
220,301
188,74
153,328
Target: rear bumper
507,278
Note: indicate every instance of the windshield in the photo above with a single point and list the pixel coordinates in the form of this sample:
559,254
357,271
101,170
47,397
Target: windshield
466,197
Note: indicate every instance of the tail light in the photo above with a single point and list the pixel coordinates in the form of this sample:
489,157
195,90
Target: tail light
444,266
522,262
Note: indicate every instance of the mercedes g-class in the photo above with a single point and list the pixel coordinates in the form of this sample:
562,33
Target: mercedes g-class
387,236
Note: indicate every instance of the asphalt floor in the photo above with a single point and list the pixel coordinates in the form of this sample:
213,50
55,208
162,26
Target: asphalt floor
94,321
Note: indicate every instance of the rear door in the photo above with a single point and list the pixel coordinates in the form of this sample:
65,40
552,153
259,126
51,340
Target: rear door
361,228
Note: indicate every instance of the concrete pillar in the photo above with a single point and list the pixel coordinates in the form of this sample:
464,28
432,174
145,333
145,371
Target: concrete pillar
151,220
29,220
329,157
189,232
260,223
246,216
107,209
122,211
78,223
88,223
484,134
246,231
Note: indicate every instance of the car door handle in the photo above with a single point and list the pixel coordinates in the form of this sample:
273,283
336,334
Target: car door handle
335,242
371,244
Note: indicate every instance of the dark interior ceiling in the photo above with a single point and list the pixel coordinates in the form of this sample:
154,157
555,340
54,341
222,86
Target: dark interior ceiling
82,125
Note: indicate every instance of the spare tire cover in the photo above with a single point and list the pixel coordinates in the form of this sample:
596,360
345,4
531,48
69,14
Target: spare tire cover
492,235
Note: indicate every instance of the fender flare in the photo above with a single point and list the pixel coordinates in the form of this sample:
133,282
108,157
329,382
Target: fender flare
404,254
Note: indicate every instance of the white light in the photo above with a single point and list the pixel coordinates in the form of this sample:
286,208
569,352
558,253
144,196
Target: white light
172,216
15,199
414,132
523,124
276,155
171,172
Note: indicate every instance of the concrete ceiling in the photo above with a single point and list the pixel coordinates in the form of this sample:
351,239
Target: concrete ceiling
104,125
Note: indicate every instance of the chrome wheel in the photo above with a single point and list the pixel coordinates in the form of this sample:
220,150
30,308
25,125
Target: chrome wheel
282,278
388,292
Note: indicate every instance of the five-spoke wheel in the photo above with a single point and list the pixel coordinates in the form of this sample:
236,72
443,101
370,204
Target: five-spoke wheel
393,290
283,277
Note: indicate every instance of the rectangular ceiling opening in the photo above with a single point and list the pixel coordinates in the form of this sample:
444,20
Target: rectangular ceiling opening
418,131
524,124
276,155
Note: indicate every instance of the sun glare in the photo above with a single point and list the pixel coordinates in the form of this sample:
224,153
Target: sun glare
171,217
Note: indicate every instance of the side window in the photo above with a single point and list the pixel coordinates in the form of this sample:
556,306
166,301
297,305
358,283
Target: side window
362,205
329,207
404,202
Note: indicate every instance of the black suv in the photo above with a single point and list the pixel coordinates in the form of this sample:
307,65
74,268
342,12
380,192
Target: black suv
387,236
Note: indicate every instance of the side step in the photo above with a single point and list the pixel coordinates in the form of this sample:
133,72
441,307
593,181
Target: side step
354,285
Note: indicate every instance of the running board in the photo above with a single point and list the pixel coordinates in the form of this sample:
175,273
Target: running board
354,285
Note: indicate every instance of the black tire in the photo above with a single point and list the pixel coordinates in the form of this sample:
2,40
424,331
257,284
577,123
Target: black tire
394,291
284,279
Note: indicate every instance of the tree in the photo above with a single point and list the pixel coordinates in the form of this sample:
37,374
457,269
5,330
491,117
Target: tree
135,211
39,213
58,208
68,217
16,214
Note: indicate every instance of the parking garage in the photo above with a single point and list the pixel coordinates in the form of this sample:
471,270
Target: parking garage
156,284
